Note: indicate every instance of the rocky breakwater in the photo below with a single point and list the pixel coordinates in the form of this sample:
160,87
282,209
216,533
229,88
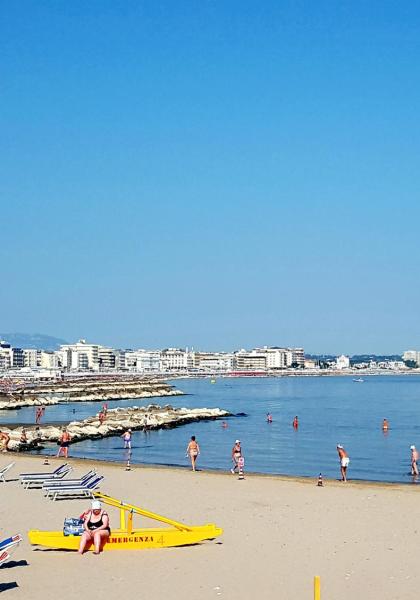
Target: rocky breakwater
86,391
117,421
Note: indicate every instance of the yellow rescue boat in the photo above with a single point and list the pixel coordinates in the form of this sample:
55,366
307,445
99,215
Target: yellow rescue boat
128,538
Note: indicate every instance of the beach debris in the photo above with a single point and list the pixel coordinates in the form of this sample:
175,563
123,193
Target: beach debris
46,461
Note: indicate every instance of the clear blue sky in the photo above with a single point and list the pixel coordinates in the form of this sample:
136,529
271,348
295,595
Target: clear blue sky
212,174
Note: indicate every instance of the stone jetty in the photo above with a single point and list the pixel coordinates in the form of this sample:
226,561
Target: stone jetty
85,390
117,421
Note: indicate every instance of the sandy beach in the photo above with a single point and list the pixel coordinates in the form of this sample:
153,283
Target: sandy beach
362,539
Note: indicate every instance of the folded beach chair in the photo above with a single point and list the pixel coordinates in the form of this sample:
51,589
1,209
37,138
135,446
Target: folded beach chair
50,485
38,481
4,556
85,490
7,546
10,542
4,470
44,475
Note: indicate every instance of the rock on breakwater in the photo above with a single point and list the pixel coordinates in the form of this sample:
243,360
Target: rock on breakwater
117,421
86,391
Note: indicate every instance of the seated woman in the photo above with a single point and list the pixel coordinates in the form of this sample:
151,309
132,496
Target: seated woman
97,531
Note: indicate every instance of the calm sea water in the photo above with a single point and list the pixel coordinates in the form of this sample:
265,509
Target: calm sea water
331,410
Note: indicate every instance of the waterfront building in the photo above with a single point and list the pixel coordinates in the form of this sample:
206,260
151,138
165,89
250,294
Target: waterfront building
107,357
18,358
47,360
6,356
30,357
213,361
143,361
81,356
342,362
250,361
298,357
174,359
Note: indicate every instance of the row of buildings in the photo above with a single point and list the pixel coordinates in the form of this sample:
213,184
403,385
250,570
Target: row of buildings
83,356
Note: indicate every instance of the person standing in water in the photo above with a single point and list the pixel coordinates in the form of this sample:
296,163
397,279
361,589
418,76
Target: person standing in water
193,450
269,418
295,423
344,461
414,459
385,425
127,439
236,455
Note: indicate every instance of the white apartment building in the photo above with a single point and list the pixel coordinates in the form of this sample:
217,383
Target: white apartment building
213,361
6,358
80,356
143,361
47,360
250,361
30,357
342,362
174,359
106,357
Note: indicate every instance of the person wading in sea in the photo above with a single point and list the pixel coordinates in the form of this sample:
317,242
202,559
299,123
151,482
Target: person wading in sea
414,458
193,450
344,461
236,455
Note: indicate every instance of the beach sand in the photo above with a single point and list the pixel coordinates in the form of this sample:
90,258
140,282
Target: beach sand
362,539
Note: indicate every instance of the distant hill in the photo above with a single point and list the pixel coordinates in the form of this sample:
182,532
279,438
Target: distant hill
32,340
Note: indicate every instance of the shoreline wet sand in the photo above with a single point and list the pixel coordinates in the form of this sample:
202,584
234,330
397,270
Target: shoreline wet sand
279,532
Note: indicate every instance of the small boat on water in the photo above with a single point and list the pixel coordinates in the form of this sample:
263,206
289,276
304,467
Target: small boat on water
212,381
359,380
126,537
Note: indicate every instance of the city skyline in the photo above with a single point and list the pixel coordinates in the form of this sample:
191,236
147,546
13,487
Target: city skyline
212,175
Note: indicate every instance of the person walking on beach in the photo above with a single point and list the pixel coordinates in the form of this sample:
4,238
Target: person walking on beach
236,455
414,459
344,461
64,443
295,423
127,439
193,450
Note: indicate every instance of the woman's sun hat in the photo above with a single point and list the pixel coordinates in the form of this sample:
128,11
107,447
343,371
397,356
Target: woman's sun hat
96,505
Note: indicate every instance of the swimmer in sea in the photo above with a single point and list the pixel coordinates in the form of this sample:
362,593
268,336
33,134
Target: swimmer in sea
269,418
385,425
295,423
224,425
